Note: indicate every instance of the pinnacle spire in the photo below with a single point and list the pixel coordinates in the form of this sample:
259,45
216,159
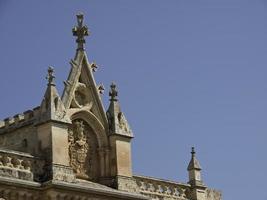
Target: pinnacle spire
50,76
193,164
80,31
194,172
117,121
81,90
193,151
52,107
113,93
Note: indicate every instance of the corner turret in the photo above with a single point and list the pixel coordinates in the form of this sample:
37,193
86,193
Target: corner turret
198,189
120,136
52,107
117,122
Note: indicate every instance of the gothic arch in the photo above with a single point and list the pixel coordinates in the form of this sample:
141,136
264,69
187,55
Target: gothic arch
89,149
95,124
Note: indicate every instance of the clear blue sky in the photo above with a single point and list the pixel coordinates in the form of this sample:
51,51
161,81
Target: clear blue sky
190,73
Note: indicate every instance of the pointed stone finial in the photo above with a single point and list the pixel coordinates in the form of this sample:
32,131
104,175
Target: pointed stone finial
194,174
50,76
80,31
193,164
113,93
193,151
101,88
94,66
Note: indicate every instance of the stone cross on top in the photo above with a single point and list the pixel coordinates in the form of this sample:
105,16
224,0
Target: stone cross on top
193,151
80,31
113,93
50,76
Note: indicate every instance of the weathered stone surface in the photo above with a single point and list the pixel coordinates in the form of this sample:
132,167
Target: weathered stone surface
213,194
83,151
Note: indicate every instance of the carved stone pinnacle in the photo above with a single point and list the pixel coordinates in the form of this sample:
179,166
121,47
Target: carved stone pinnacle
101,88
113,93
50,76
80,31
94,66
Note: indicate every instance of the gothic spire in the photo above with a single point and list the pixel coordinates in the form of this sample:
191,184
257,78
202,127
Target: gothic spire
194,164
81,90
117,121
52,107
80,31
194,171
113,93
50,76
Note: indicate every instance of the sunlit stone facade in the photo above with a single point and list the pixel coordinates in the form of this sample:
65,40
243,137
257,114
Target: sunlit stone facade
71,148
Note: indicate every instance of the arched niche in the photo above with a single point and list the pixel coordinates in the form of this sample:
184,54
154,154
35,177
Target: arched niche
87,139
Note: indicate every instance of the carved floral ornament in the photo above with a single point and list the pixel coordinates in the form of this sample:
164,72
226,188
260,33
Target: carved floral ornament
123,123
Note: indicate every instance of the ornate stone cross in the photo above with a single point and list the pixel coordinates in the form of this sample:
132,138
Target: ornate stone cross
80,31
50,76
113,93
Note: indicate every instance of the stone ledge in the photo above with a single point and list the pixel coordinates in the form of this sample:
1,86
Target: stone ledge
94,188
82,187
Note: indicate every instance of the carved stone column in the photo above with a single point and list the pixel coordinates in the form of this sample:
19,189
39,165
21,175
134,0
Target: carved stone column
101,153
107,153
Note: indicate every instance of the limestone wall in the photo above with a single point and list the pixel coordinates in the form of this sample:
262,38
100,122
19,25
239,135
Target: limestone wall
18,132
22,139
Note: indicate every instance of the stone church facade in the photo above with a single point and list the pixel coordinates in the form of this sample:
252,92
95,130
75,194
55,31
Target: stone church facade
71,148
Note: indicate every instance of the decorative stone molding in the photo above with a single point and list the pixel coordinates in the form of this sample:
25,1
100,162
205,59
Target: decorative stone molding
162,189
75,197
18,194
213,194
63,173
127,184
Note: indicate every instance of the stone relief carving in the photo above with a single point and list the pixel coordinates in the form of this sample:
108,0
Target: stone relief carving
63,173
60,115
213,194
123,123
82,150
127,184
81,97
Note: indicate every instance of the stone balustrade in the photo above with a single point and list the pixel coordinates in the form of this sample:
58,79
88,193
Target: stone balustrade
19,165
162,189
